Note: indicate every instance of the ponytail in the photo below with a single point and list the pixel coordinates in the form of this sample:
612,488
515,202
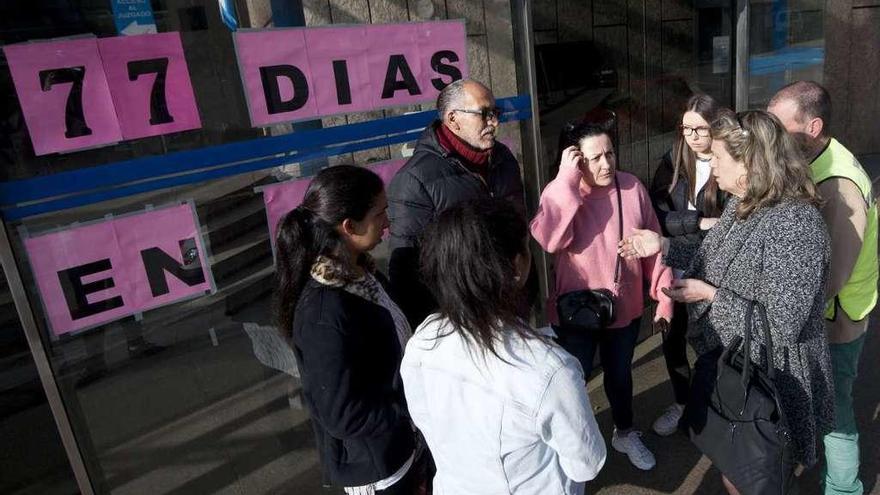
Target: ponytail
309,231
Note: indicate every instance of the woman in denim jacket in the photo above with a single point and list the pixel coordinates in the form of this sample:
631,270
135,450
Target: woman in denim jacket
502,408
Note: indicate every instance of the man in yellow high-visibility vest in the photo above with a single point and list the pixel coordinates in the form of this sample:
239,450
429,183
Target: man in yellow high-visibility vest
850,212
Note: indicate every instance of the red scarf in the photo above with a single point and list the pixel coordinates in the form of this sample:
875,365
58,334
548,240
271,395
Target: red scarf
475,160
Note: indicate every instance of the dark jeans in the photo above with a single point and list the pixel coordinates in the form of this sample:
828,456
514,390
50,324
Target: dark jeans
616,346
675,352
702,386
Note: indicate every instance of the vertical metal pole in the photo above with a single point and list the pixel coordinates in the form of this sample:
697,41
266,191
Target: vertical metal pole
41,359
742,55
535,178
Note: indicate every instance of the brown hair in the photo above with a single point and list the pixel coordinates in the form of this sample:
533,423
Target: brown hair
812,101
775,168
684,158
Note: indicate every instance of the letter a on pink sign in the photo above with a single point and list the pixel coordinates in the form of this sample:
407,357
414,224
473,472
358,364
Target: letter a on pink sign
63,94
150,84
98,273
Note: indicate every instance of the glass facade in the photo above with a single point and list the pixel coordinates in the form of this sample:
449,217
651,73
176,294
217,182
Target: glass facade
642,65
201,394
33,459
786,44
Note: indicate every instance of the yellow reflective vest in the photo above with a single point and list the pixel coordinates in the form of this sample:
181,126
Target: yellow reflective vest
859,295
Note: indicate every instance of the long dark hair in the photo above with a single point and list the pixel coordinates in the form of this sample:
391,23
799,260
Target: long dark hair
684,159
468,256
309,231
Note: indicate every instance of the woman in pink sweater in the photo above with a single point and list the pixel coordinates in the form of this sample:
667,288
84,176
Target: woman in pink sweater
577,221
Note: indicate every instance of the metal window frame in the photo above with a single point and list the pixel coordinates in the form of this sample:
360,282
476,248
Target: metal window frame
44,369
741,75
534,178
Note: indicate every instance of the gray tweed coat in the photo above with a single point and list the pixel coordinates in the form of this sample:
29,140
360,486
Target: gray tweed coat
779,257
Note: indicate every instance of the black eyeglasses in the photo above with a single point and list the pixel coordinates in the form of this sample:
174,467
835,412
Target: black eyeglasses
701,131
484,113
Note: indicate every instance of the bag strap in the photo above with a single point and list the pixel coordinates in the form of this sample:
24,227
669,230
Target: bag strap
747,349
768,342
747,340
619,232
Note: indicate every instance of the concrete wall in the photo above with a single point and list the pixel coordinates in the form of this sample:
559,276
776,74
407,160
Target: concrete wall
852,62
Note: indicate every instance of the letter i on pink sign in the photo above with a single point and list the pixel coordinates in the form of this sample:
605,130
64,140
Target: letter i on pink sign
63,94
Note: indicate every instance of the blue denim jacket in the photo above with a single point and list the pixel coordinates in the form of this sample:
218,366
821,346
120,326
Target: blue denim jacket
524,426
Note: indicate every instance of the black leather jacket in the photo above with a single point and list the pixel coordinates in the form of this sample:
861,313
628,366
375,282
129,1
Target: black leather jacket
431,181
672,207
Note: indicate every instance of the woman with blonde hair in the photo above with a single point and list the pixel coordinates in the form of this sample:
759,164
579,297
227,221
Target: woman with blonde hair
770,247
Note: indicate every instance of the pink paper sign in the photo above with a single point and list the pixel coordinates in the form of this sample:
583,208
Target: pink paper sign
276,73
345,76
282,197
63,94
396,66
150,84
98,273
302,73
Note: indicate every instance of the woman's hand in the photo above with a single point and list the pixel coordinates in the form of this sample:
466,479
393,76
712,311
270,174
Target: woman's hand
690,290
572,158
641,244
708,223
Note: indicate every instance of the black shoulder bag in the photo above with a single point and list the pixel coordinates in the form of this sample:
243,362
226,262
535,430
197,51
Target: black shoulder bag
587,310
742,435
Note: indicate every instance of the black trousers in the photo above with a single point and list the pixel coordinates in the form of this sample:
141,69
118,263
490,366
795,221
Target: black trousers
616,346
675,353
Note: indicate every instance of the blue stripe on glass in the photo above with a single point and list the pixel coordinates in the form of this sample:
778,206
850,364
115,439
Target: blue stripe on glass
104,182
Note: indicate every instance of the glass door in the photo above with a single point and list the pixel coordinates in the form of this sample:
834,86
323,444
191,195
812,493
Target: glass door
786,43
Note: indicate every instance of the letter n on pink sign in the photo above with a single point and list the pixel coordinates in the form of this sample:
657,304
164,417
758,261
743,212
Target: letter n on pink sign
97,273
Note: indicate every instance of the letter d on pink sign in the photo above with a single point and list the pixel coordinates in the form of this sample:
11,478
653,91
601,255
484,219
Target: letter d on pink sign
98,273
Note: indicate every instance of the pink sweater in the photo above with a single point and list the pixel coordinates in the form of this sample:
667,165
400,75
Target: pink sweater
579,226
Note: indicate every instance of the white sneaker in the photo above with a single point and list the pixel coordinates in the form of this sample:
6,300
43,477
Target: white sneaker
667,423
631,445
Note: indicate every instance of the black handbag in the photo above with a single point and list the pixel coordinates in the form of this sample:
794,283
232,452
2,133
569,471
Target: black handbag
742,431
591,309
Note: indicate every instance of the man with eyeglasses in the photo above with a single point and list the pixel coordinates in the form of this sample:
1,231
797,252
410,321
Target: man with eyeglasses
457,159
850,212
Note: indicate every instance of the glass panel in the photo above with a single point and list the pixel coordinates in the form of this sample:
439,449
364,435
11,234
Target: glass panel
32,459
600,56
786,44
199,395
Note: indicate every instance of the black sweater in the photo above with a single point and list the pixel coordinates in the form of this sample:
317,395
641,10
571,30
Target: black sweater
348,355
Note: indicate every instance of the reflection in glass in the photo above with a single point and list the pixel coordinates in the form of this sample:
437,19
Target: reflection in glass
786,44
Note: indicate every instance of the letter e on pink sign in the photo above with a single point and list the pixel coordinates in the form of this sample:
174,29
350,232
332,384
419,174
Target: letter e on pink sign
93,274
150,84
63,94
